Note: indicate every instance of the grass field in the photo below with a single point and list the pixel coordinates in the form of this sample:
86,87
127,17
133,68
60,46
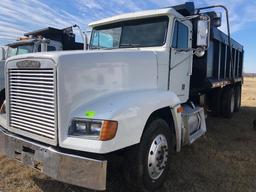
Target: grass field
223,160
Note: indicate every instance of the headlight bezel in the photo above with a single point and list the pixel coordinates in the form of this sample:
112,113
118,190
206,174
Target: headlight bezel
106,131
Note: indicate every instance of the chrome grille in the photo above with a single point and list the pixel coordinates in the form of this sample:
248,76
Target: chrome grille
32,101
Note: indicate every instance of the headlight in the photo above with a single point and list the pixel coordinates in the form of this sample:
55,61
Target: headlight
93,129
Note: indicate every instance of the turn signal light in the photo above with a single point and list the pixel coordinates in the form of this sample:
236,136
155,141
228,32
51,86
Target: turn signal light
108,130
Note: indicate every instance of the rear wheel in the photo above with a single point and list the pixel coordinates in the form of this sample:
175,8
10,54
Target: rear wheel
238,92
228,102
149,164
216,97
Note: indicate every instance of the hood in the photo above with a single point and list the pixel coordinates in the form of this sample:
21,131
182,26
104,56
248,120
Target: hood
100,70
84,76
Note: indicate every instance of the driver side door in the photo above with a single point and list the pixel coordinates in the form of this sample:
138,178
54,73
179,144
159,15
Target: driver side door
181,58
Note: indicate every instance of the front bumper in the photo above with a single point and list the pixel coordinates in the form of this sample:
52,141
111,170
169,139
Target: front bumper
68,168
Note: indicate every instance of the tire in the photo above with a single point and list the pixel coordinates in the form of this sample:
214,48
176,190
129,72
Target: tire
216,102
228,102
147,166
238,92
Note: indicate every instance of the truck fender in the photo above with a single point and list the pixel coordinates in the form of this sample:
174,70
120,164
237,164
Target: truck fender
131,109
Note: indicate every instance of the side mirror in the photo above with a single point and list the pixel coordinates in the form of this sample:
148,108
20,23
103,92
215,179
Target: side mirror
203,32
2,53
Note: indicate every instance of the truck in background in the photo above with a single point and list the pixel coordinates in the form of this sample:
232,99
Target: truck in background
3,51
140,92
42,40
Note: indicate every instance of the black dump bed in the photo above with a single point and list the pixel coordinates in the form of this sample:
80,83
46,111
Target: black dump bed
65,36
214,69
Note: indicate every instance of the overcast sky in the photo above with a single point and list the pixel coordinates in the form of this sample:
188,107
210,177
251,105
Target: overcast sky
20,16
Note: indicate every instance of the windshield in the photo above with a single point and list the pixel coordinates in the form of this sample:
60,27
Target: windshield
22,49
137,33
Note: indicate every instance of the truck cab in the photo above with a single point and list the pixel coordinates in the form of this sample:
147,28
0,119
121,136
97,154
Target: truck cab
42,40
26,45
167,34
128,95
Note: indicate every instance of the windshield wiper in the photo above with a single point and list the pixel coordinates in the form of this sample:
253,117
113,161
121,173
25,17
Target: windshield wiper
129,45
98,47
94,47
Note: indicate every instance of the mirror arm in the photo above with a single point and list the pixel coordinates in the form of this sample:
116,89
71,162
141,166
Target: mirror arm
188,17
83,35
184,50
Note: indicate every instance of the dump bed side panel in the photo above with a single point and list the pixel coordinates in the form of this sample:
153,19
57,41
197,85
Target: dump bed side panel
214,69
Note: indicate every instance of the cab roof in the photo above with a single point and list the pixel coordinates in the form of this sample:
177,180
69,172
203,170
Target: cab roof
135,15
21,42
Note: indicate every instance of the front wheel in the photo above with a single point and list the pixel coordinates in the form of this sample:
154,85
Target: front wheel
152,157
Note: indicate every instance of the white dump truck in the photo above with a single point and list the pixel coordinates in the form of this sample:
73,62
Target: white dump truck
141,91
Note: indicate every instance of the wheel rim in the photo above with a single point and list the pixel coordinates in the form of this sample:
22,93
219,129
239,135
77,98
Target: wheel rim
232,104
157,157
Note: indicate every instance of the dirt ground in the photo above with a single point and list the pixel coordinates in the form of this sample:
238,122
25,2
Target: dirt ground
223,160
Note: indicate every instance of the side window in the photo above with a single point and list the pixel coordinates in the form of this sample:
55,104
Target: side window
180,36
108,38
102,40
